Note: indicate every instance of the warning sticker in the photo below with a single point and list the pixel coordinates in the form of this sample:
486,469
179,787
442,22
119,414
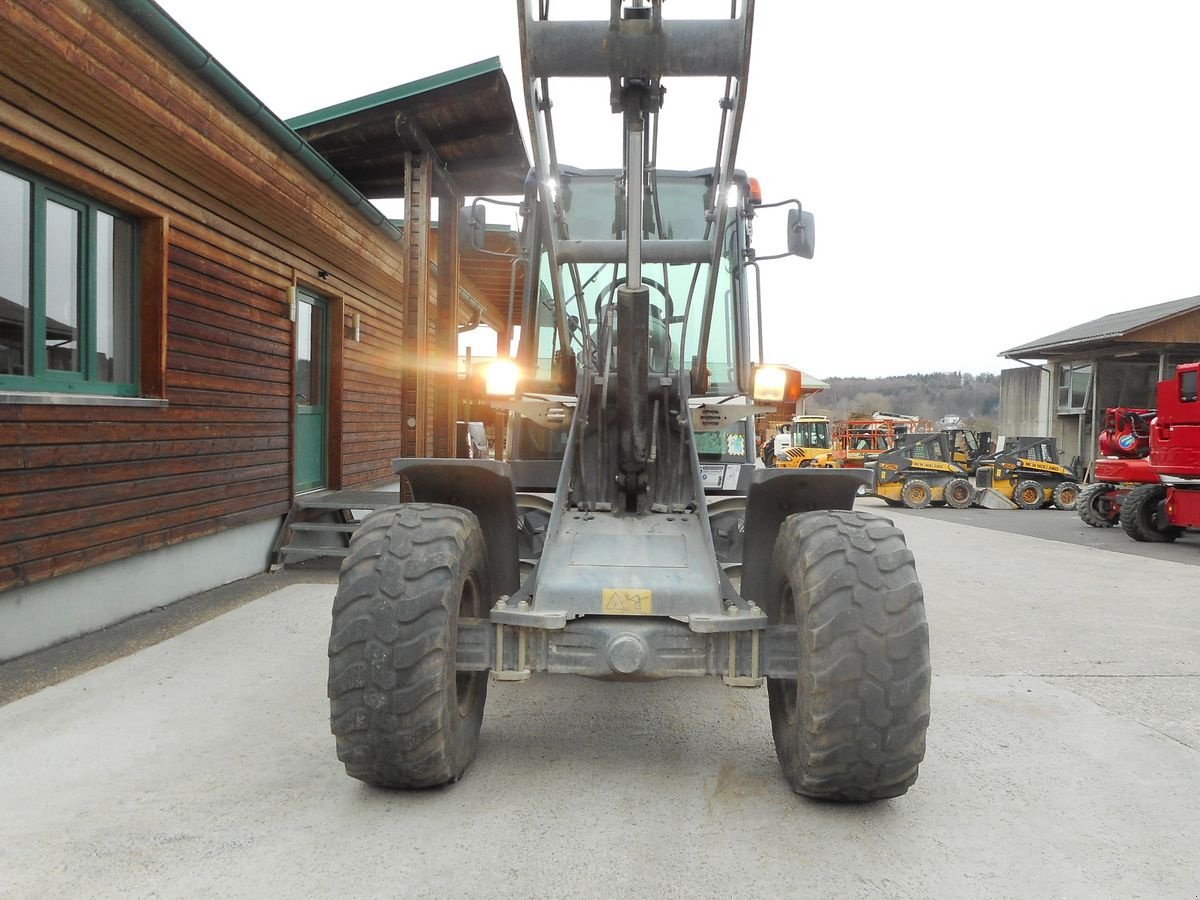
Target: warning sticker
627,602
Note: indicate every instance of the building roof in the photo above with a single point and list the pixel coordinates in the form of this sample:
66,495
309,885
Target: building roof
811,384
1106,328
465,114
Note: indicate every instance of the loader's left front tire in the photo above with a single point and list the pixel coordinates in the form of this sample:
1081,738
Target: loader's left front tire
852,726
402,715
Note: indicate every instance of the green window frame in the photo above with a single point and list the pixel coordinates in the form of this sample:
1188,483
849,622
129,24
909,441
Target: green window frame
80,283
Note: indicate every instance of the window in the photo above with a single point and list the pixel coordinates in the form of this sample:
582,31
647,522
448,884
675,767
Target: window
676,290
1074,379
68,290
1188,385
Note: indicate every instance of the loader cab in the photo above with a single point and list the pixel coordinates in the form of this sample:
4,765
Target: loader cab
593,204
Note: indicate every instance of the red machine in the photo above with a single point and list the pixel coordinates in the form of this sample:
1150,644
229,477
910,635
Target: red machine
1160,511
1124,444
1126,432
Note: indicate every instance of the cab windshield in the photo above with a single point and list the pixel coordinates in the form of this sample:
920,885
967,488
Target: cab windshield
811,434
594,208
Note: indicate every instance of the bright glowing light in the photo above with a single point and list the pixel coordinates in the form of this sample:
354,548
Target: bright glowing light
770,384
501,378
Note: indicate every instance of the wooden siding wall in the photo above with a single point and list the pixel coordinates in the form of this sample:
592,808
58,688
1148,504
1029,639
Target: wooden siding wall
86,99
1184,329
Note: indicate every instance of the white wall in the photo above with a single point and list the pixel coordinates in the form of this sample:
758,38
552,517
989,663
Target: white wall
1024,402
65,607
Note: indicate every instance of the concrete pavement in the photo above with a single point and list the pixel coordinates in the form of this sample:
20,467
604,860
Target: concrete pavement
1064,760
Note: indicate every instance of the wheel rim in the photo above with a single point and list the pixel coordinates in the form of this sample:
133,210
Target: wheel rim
465,682
958,493
916,494
790,693
1029,495
1069,497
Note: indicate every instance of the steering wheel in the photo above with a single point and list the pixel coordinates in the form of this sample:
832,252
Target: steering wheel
617,282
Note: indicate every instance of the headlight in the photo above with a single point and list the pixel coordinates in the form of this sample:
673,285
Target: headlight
501,378
775,384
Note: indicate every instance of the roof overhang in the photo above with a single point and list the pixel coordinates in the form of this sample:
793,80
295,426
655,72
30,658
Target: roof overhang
464,117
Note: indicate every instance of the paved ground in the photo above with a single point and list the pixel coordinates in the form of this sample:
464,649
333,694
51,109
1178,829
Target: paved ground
1054,525
1064,761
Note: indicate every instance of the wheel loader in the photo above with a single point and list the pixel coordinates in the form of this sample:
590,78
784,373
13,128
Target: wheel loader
1027,472
807,442
626,534
921,470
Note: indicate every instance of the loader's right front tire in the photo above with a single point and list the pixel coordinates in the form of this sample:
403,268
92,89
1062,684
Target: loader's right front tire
1095,505
402,715
852,726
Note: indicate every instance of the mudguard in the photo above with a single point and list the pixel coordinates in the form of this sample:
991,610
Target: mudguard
776,494
483,486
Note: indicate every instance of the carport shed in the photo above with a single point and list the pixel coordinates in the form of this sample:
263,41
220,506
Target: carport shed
1071,377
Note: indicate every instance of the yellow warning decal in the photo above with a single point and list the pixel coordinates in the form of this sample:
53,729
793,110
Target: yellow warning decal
627,602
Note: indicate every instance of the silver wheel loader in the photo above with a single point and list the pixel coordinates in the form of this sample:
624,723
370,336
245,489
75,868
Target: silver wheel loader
626,533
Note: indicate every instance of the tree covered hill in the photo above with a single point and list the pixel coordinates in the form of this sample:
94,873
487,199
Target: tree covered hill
975,398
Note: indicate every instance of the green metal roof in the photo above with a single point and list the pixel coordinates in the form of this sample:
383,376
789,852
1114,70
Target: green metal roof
400,92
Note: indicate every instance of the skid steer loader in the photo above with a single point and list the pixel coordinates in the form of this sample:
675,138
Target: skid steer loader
627,534
921,470
1028,473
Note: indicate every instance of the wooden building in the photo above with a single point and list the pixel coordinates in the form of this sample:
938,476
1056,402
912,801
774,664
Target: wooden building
201,315
1069,378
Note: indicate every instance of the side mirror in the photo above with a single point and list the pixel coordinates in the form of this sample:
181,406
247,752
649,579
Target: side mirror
472,226
802,233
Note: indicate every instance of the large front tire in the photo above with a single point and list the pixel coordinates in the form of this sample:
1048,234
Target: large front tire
402,715
852,727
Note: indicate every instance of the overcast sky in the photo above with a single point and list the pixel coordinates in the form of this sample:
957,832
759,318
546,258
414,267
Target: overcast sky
982,174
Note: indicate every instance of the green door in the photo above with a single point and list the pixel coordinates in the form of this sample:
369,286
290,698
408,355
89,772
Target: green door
311,380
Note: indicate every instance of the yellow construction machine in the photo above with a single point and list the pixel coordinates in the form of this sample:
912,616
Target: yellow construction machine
919,471
806,442
1027,472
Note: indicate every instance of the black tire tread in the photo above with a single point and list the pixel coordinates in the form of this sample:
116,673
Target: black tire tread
394,622
1019,489
1089,500
863,703
1061,488
959,504
909,485
1139,515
